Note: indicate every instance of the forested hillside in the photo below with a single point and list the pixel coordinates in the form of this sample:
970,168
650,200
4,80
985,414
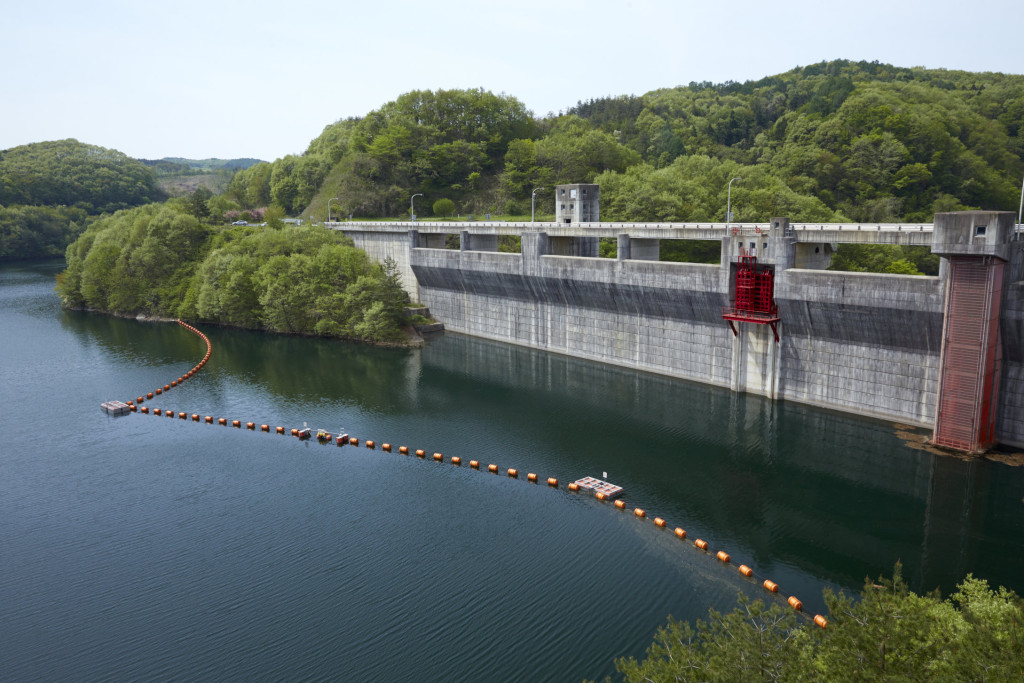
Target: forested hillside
833,141
48,191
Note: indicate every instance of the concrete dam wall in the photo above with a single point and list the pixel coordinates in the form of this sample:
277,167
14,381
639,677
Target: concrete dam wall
863,343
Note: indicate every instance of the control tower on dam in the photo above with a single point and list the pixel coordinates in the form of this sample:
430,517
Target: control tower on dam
943,352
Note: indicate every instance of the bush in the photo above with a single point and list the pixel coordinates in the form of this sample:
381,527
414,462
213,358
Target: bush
444,208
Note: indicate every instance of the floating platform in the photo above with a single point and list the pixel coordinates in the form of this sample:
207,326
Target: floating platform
597,486
115,408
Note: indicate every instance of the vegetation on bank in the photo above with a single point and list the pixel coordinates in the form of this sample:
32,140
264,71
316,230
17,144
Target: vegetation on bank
889,634
161,260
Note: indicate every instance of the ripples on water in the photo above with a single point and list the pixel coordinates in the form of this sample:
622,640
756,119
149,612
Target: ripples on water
148,547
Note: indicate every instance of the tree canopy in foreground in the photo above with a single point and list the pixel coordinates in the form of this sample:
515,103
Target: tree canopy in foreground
889,634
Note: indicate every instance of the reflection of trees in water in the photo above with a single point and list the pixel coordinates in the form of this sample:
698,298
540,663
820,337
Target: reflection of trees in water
316,370
297,368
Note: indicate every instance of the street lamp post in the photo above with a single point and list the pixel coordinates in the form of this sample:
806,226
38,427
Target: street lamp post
412,205
1019,210
332,199
533,203
728,205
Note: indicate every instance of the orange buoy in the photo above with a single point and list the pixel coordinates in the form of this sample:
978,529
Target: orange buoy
174,383
530,476
183,416
223,421
236,423
167,387
386,447
420,453
140,399
703,545
820,621
456,460
620,504
295,432
601,495
354,441
723,556
639,513
513,472
280,430
133,407
475,464
770,586
264,428
573,486
438,457
371,444
552,482
250,425
404,450
169,413
745,570
144,409
157,411
492,468
658,521
795,603
149,396
158,391
209,419
680,532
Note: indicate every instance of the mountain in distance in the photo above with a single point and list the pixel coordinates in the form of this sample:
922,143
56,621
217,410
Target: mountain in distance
179,164
178,176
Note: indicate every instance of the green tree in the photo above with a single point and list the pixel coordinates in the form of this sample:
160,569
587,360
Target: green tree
444,208
274,217
197,202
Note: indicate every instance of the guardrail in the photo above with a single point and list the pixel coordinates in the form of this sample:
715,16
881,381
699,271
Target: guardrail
515,226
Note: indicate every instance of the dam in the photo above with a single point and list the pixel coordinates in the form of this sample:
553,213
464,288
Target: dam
945,352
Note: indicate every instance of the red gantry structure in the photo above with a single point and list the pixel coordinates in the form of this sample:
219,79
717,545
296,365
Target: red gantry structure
754,300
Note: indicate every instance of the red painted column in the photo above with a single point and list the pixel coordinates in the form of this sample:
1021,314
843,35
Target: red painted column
976,244
971,359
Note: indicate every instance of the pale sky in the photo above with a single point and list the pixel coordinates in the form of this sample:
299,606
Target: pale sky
227,79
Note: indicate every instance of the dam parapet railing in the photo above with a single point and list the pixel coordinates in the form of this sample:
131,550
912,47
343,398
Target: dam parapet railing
864,233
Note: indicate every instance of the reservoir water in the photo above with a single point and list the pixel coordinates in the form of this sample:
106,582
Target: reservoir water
152,548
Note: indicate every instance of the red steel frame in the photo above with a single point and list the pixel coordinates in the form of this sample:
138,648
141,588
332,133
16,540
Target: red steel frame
971,355
755,297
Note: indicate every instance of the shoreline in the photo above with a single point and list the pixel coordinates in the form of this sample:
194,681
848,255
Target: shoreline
413,339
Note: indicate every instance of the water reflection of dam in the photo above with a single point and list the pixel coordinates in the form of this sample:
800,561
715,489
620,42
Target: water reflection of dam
844,494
